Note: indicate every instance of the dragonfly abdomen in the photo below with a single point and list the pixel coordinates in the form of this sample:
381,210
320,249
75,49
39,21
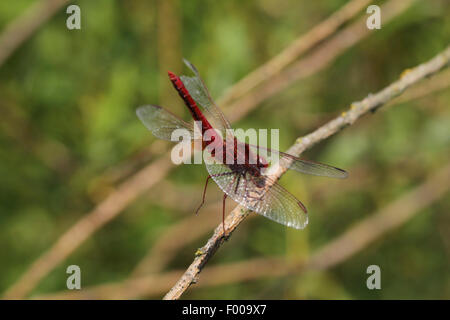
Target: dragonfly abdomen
190,103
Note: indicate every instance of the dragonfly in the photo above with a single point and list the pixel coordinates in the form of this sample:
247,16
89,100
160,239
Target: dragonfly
246,175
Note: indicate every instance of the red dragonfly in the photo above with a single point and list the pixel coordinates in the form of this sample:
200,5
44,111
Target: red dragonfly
247,178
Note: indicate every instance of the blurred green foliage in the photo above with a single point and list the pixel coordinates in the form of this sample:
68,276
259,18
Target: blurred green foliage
68,116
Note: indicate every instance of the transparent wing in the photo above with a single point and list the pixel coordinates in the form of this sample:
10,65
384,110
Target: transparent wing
288,161
200,94
260,194
162,122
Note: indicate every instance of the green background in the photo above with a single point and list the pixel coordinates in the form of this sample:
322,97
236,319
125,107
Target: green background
69,135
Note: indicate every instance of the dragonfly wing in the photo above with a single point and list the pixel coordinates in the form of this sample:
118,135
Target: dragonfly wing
260,194
197,89
315,168
161,122
289,161
281,206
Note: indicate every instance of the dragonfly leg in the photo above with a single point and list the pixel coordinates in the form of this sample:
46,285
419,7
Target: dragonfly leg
204,193
206,185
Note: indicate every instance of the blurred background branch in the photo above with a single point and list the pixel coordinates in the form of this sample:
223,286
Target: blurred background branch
22,28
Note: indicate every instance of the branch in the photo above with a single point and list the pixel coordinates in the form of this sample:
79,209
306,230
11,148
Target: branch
438,83
357,109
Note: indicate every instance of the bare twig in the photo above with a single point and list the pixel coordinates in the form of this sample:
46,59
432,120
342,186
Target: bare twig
357,109
438,83
352,241
18,31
